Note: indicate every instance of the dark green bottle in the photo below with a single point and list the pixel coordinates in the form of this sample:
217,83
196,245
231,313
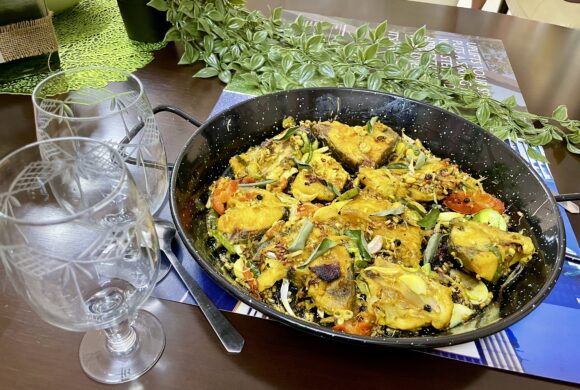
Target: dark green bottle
12,11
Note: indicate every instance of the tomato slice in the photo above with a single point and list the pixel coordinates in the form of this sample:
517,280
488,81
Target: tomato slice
222,193
361,325
473,202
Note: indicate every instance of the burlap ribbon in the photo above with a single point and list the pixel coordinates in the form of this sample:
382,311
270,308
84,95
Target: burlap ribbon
27,39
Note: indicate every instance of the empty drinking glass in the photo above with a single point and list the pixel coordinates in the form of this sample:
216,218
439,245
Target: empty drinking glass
109,105
78,243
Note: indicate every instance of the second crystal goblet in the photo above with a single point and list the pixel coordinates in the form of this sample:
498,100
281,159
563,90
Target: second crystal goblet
110,105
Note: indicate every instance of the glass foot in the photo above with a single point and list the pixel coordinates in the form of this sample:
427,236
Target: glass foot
103,364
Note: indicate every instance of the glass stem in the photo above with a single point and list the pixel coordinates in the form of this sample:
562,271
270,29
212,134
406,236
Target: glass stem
121,338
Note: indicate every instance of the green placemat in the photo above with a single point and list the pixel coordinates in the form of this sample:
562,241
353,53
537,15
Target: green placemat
91,34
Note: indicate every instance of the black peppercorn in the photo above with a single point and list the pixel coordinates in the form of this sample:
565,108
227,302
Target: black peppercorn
427,308
428,176
397,242
466,200
259,197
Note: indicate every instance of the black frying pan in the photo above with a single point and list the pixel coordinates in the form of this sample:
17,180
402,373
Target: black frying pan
206,155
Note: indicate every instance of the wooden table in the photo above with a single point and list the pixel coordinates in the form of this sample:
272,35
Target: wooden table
34,354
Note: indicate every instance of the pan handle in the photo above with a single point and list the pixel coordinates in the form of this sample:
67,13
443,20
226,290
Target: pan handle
567,197
180,113
135,130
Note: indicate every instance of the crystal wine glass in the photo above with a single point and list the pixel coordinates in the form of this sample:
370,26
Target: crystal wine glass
110,105
78,243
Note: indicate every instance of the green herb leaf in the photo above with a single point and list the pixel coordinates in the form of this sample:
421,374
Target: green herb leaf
394,211
206,73
418,207
301,237
300,164
431,248
223,241
326,245
348,194
289,133
332,188
430,220
359,239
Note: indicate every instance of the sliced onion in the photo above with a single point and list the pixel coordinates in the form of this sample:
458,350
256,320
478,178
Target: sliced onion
375,245
284,296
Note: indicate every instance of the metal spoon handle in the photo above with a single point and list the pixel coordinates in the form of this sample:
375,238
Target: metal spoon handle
228,335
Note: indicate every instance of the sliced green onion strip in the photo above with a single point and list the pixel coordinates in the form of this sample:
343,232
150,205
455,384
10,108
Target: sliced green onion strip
300,164
332,188
349,194
284,296
289,133
258,184
223,241
431,248
421,160
322,248
358,237
303,234
429,220
371,124
394,211
397,166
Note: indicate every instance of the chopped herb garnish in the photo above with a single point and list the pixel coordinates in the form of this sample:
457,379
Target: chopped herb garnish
359,239
397,166
257,184
394,211
300,164
418,207
429,220
332,188
326,245
349,194
303,234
